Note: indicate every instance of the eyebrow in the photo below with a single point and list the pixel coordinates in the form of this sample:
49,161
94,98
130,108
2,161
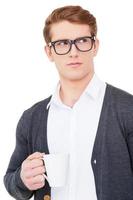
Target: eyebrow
62,39
72,39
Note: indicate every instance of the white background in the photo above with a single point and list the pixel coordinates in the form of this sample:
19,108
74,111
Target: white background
26,75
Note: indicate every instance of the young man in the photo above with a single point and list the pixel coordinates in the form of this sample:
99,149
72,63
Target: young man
85,117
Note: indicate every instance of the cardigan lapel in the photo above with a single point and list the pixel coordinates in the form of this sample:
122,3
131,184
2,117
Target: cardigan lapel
97,148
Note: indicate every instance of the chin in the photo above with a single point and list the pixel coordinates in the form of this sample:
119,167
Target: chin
75,78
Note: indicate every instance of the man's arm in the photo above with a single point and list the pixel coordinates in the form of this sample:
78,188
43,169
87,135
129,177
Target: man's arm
12,179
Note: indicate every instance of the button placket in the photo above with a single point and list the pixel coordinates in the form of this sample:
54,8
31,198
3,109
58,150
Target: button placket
72,154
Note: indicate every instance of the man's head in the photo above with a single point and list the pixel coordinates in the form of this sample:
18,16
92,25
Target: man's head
70,34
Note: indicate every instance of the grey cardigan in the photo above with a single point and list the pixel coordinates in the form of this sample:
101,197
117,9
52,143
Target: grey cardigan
112,156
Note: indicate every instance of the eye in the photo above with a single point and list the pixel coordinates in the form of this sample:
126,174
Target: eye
82,40
62,43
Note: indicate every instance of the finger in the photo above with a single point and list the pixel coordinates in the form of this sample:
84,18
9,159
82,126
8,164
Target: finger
35,155
31,164
38,186
35,163
35,172
37,179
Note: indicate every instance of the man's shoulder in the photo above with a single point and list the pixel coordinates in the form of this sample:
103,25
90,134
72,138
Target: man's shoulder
121,103
38,107
120,96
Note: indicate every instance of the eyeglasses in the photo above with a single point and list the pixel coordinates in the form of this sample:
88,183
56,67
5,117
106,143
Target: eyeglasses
83,44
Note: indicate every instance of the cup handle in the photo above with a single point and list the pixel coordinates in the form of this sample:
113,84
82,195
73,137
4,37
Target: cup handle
45,177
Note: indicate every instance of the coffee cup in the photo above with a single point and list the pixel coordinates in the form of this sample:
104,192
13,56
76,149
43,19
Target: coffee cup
56,168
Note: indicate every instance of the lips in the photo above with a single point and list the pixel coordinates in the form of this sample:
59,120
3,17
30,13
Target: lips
74,64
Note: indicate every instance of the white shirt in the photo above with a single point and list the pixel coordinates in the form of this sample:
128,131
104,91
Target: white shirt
73,131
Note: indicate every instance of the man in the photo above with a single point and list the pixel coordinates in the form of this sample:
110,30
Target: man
85,117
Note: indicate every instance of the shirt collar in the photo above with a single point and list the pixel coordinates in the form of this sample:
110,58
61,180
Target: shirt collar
55,97
94,87
92,90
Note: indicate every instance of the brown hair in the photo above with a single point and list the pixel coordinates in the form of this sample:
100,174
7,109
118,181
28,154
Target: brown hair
73,14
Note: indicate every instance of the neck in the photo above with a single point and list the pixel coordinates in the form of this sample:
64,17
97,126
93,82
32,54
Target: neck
70,91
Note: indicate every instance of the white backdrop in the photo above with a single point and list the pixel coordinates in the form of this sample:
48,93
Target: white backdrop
26,75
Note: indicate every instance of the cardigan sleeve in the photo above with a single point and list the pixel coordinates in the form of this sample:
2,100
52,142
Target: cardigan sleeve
123,104
129,131
126,112
12,180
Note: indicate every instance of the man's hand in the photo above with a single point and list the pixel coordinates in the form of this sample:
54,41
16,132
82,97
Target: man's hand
32,171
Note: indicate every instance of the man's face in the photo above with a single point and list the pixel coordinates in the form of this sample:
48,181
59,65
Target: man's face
75,65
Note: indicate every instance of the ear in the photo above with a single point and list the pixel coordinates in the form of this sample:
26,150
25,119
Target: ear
49,53
96,47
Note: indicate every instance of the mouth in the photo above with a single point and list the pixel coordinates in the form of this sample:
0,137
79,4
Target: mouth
74,64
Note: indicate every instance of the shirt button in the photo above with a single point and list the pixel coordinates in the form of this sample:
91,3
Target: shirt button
46,197
94,161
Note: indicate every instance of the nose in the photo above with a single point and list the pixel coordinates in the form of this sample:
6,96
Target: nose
74,51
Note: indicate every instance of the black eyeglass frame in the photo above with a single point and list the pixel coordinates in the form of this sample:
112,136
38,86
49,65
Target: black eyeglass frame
52,44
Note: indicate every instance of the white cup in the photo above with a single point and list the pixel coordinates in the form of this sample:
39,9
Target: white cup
56,168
